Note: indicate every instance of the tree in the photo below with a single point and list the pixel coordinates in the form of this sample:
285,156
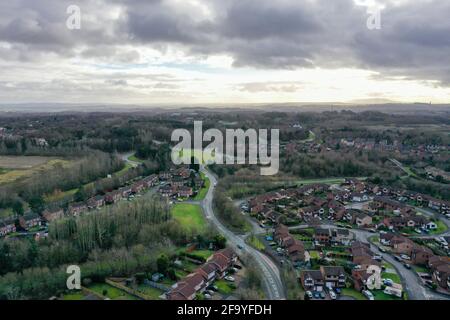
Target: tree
81,195
162,263
220,241
18,208
37,204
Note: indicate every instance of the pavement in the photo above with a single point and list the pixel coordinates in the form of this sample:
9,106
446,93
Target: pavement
271,274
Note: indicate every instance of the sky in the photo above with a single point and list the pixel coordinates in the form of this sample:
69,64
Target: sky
224,51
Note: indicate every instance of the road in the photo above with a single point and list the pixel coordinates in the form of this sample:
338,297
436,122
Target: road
125,157
271,274
410,281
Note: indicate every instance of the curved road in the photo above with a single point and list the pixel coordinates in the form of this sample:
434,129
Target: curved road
271,274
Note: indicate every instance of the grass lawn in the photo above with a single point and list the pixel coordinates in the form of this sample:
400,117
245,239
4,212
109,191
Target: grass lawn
380,295
224,287
421,269
441,228
151,292
189,215
74,296
393,276
314,254
111,292
203,191
353,293
256,243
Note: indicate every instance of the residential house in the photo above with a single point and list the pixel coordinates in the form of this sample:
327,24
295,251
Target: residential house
50,215
402,245
322,236
30,220
113,197
188,288
312,280
96,202
7,226
334,277
185,192
420,255
362,220
342,236
76,209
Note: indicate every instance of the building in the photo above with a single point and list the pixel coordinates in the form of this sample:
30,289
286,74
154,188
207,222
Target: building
7,226
51,215
77,208
30,220
326,277
96,202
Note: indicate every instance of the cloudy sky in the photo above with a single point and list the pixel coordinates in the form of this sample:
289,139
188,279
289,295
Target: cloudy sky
224,51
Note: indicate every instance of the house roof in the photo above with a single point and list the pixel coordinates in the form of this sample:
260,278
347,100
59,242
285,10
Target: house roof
332,270
314,274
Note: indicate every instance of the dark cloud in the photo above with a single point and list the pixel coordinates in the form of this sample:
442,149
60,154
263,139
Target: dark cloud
414,40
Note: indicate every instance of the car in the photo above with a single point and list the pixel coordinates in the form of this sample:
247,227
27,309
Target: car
229,278
309,294
405,257
237,266
338,290
398,258
418,231
240,247
213,288
407,266
382,249
388,282
368,295
447,216
333,295
372,231
378,257
317,295
322,295
207,296
210,292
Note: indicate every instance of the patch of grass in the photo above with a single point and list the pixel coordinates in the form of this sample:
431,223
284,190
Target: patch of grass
256,243
421,269
353,293
74,296
190,216
441,227
393,276
224,287
24,167
150,292
203,191
380,295
111,292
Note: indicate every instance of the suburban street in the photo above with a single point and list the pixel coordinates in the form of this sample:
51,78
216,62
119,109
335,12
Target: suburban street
271,274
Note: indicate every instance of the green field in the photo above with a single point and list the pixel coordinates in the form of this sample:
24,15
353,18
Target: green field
190,216
203,191
111,292
353,293
224,287
150,292
256,243
393,276
441,227
74,296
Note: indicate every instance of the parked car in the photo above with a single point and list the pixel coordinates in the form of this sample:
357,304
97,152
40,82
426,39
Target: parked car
398,258
388,282
405,257
317,295
240,247
382,249
338,290
229,278
213,288
368,295
322,295
333,295
237,266
207,296
309,294
407,266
